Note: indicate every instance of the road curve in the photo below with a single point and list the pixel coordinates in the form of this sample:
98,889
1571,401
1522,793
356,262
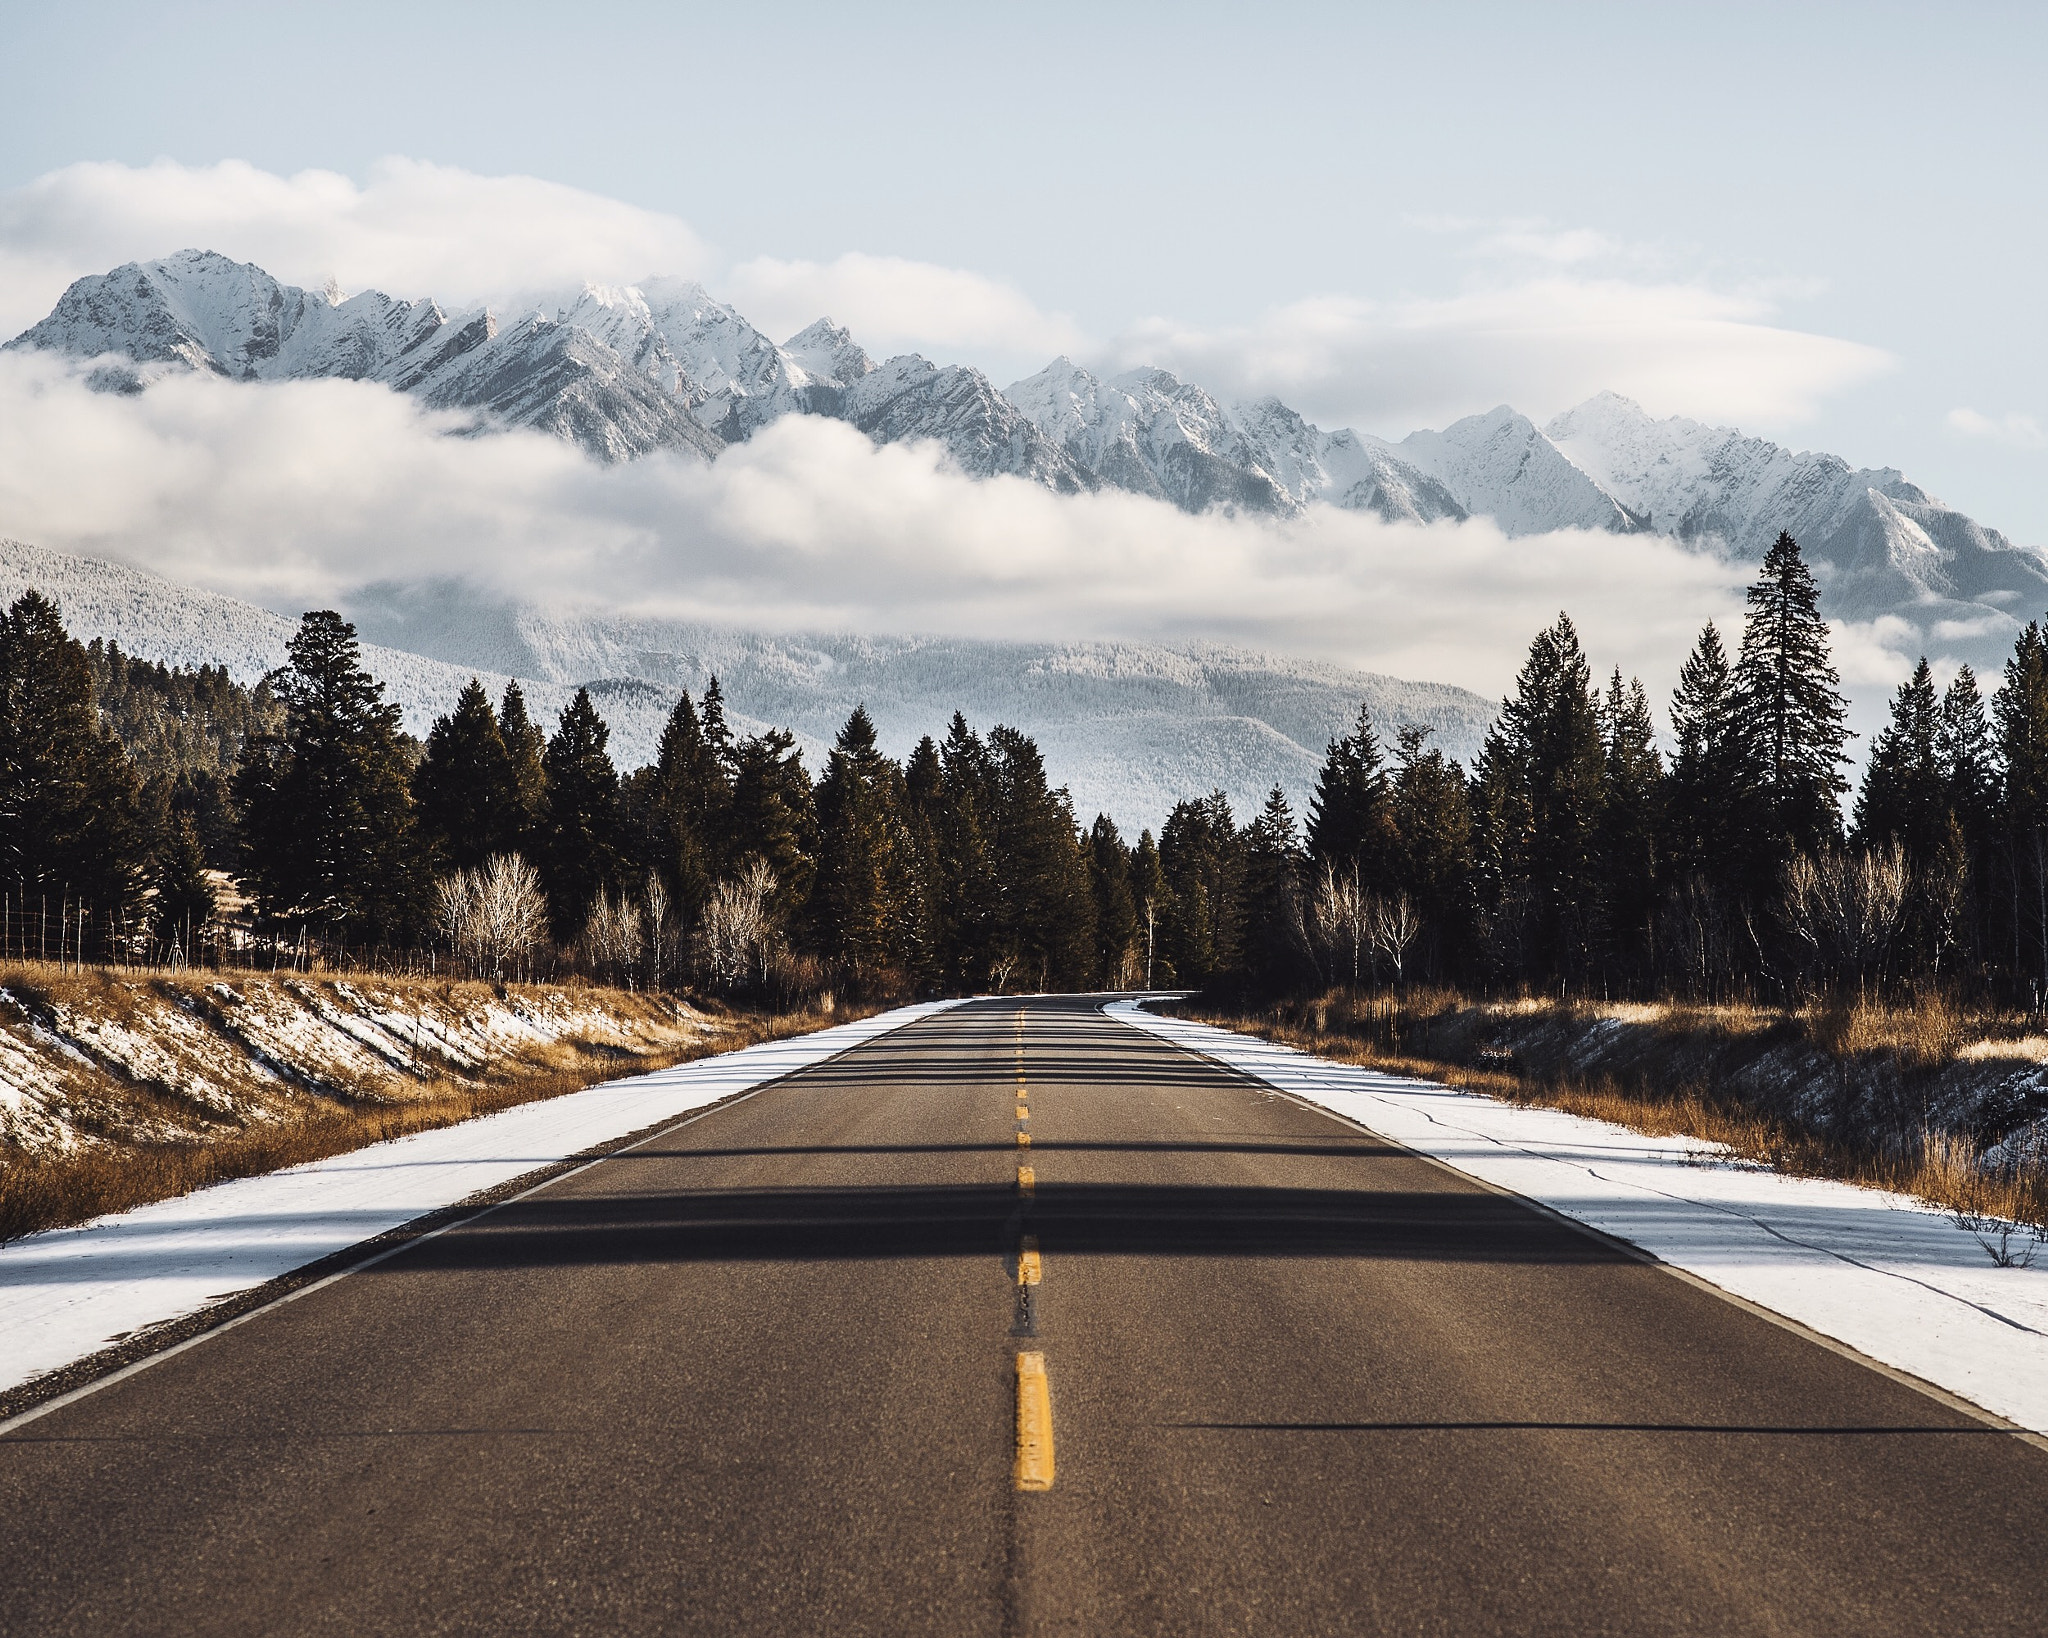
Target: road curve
1016,1321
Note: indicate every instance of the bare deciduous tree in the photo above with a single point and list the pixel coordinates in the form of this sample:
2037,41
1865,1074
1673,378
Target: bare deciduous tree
1847,909
737,936
1342,919
1393,925
493,915
614,934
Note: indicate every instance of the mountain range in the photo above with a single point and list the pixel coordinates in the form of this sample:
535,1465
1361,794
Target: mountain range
1129,728
664,366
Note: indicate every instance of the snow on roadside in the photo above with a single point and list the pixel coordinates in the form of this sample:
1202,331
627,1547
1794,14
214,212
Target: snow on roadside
69,1292
1891,1276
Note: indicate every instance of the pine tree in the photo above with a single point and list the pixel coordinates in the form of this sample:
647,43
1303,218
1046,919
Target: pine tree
1045,917
1275,953
964,821
1432,811
1200,857
1631,865
183,907
1117,956
1793,709
526,748
688,809
328,836
924,778
1711,806
465,790
1905,796
860,897
774,816
2021,712
580,827
1969,765
70,806
1348,826
1545,767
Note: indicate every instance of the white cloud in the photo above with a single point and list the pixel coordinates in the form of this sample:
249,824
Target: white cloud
892,305
413,229
1541,344
291,493
2020,431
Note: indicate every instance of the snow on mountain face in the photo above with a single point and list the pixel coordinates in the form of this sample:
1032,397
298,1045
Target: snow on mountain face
987,435
1150,433
1878,541
1499,465
827,355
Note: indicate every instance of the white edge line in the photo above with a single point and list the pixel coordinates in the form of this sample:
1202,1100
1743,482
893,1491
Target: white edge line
1643,1254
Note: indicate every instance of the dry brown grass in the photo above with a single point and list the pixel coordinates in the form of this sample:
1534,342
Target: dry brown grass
52,1191
1944,1169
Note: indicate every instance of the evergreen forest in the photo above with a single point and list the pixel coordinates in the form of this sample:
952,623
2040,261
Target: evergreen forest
166,815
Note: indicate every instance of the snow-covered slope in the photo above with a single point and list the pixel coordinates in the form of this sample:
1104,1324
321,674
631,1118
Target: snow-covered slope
1130,728
1499,465
1879,541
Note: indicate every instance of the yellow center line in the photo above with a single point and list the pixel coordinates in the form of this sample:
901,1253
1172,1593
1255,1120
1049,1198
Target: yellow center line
1023,1111
1023,1140
1034,1424
1030,1270
1027,1180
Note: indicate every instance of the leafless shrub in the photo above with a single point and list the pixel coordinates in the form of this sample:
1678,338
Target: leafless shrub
614,934
737,937
493,915
1847,909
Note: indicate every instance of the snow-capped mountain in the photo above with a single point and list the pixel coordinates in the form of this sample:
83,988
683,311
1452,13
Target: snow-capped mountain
1879,542
1130,728
663,366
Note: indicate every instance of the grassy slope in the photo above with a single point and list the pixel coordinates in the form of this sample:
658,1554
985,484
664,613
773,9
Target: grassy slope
117,1089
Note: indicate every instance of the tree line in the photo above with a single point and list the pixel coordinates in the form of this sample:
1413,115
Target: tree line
1576,855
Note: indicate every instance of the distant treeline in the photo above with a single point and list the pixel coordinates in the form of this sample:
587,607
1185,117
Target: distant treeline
1573,856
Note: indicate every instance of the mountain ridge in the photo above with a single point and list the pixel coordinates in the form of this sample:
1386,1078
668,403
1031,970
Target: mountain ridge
625,372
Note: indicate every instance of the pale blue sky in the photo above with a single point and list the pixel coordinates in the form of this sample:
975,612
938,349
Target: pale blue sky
1875,172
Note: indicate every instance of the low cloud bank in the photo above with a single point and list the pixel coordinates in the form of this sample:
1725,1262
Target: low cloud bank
289,494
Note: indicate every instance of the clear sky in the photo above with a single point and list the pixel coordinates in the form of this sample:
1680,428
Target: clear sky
1873,173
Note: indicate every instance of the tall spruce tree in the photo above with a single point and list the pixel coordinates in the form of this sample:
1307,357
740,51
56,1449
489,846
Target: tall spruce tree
774,815
1905,797
2021,712
1711,802
1152,899
1546,765
1348,824
1117,958
328,836
1969,764
965,820
465,790
1045,914
861,895
1631,822
526,749
580,827
1793,709
71,830
1201,858
688,809
1275,955
1432,810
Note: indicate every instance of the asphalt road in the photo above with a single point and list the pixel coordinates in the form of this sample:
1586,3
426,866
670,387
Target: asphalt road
761,1375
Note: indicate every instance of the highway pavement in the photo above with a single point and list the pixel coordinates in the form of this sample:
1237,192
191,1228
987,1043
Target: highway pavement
1016,1321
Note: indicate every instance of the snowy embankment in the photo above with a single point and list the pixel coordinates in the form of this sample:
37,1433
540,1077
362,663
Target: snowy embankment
1889,1276
70,1292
